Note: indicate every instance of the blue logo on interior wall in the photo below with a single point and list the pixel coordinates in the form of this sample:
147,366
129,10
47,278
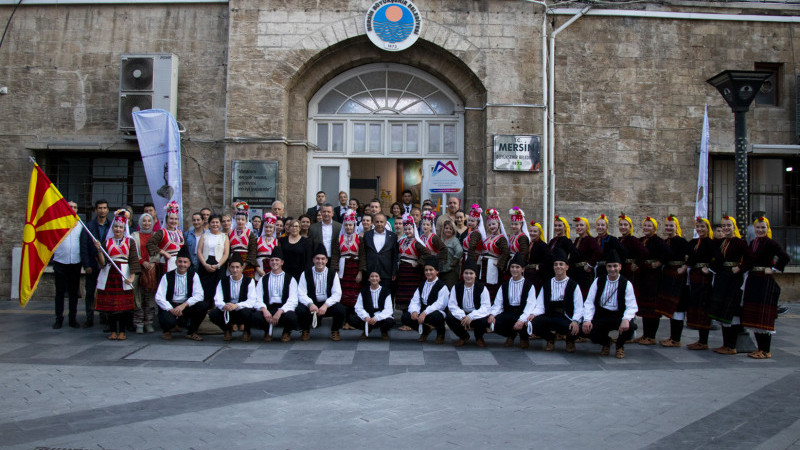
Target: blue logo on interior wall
393,25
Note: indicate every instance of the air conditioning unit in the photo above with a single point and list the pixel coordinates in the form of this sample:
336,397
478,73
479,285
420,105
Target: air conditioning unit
146,81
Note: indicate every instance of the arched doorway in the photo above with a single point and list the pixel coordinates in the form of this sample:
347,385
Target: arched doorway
378,129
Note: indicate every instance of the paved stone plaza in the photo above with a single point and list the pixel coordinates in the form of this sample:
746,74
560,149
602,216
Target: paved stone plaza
72,388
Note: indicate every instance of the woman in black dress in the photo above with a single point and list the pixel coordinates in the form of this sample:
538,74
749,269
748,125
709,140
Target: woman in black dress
296,250
701,255
673,294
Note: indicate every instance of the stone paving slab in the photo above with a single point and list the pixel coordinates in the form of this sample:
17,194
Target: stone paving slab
168,352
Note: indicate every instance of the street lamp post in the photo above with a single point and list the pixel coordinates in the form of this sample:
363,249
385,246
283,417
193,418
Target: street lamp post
739,88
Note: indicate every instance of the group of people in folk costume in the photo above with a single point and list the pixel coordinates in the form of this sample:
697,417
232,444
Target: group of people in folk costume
514,284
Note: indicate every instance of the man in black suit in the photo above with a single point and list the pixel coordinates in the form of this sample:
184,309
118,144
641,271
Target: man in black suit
326,233
379,251
338,212
312,212
99,228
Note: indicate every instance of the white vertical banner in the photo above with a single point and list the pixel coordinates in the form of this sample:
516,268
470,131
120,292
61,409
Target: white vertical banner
701,203
160,145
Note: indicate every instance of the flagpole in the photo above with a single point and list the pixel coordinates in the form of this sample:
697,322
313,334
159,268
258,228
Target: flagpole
101,248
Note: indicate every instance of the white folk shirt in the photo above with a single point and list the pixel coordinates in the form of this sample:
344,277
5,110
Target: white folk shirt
320,289
379,239
558,289
180,295
275,292
441,300
608,300
468,304
327,231
514,296
385,313
69,252
219,299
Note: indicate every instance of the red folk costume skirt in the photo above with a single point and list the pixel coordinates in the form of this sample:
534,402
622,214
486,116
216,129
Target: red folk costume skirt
672,291
408,280
350,288
760,308
114,298
699,294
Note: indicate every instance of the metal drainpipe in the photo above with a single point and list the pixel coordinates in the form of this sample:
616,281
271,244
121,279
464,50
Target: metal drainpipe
551,115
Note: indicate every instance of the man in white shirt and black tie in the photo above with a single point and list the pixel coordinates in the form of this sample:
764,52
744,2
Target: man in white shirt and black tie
558,307
510,302
233,302
180,299
319,291
407,199
428,303
374,308
610,305
276,300
469,307
67,273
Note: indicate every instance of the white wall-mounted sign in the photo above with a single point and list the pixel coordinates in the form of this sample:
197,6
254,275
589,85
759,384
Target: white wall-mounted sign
445,178
393,25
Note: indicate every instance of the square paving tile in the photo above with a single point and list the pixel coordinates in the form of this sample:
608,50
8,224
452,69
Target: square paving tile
61,352
266,357
406,358
336,357
373,345
477,358
546,358
681,355
161,352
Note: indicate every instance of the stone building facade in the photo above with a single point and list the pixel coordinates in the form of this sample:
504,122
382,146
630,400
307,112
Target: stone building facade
255,76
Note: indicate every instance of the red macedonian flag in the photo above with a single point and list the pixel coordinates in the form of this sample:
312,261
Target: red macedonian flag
48,220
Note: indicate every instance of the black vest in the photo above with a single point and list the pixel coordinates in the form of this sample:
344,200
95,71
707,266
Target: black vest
552,308
287,282
171,284
523,298
366,299
477,290
622,286
309,275
226,289
432,295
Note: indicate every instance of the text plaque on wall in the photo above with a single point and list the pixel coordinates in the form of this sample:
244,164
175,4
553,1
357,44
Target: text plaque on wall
517,153
255,182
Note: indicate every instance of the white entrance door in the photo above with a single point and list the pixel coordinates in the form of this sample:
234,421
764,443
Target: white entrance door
331,175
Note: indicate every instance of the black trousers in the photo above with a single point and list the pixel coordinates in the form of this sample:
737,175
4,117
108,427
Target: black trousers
237,317
68,280
336,312
385,325
434,319
288,319
504,323
547,327
604,322
90,286
191,319
478,326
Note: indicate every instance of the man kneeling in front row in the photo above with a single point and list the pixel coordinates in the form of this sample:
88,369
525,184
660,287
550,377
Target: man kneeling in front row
427,305
469,307
180,299
319,291
374,308
558,307
610,305
276,300
234,301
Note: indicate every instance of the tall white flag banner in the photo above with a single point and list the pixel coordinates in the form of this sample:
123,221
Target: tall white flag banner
160,145
701,203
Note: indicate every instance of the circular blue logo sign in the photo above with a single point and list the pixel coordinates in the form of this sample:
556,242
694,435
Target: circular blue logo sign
393,25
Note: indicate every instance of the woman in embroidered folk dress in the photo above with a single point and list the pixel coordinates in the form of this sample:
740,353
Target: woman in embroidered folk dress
347,262
587,253
115,290
561,238
475,234
495,253
636,251
701,255
607,242
164,244
673,295
266,242
761,292
519,240
432,241
244,246
731,260
213,249
145,301
649,281
411,252
540,261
